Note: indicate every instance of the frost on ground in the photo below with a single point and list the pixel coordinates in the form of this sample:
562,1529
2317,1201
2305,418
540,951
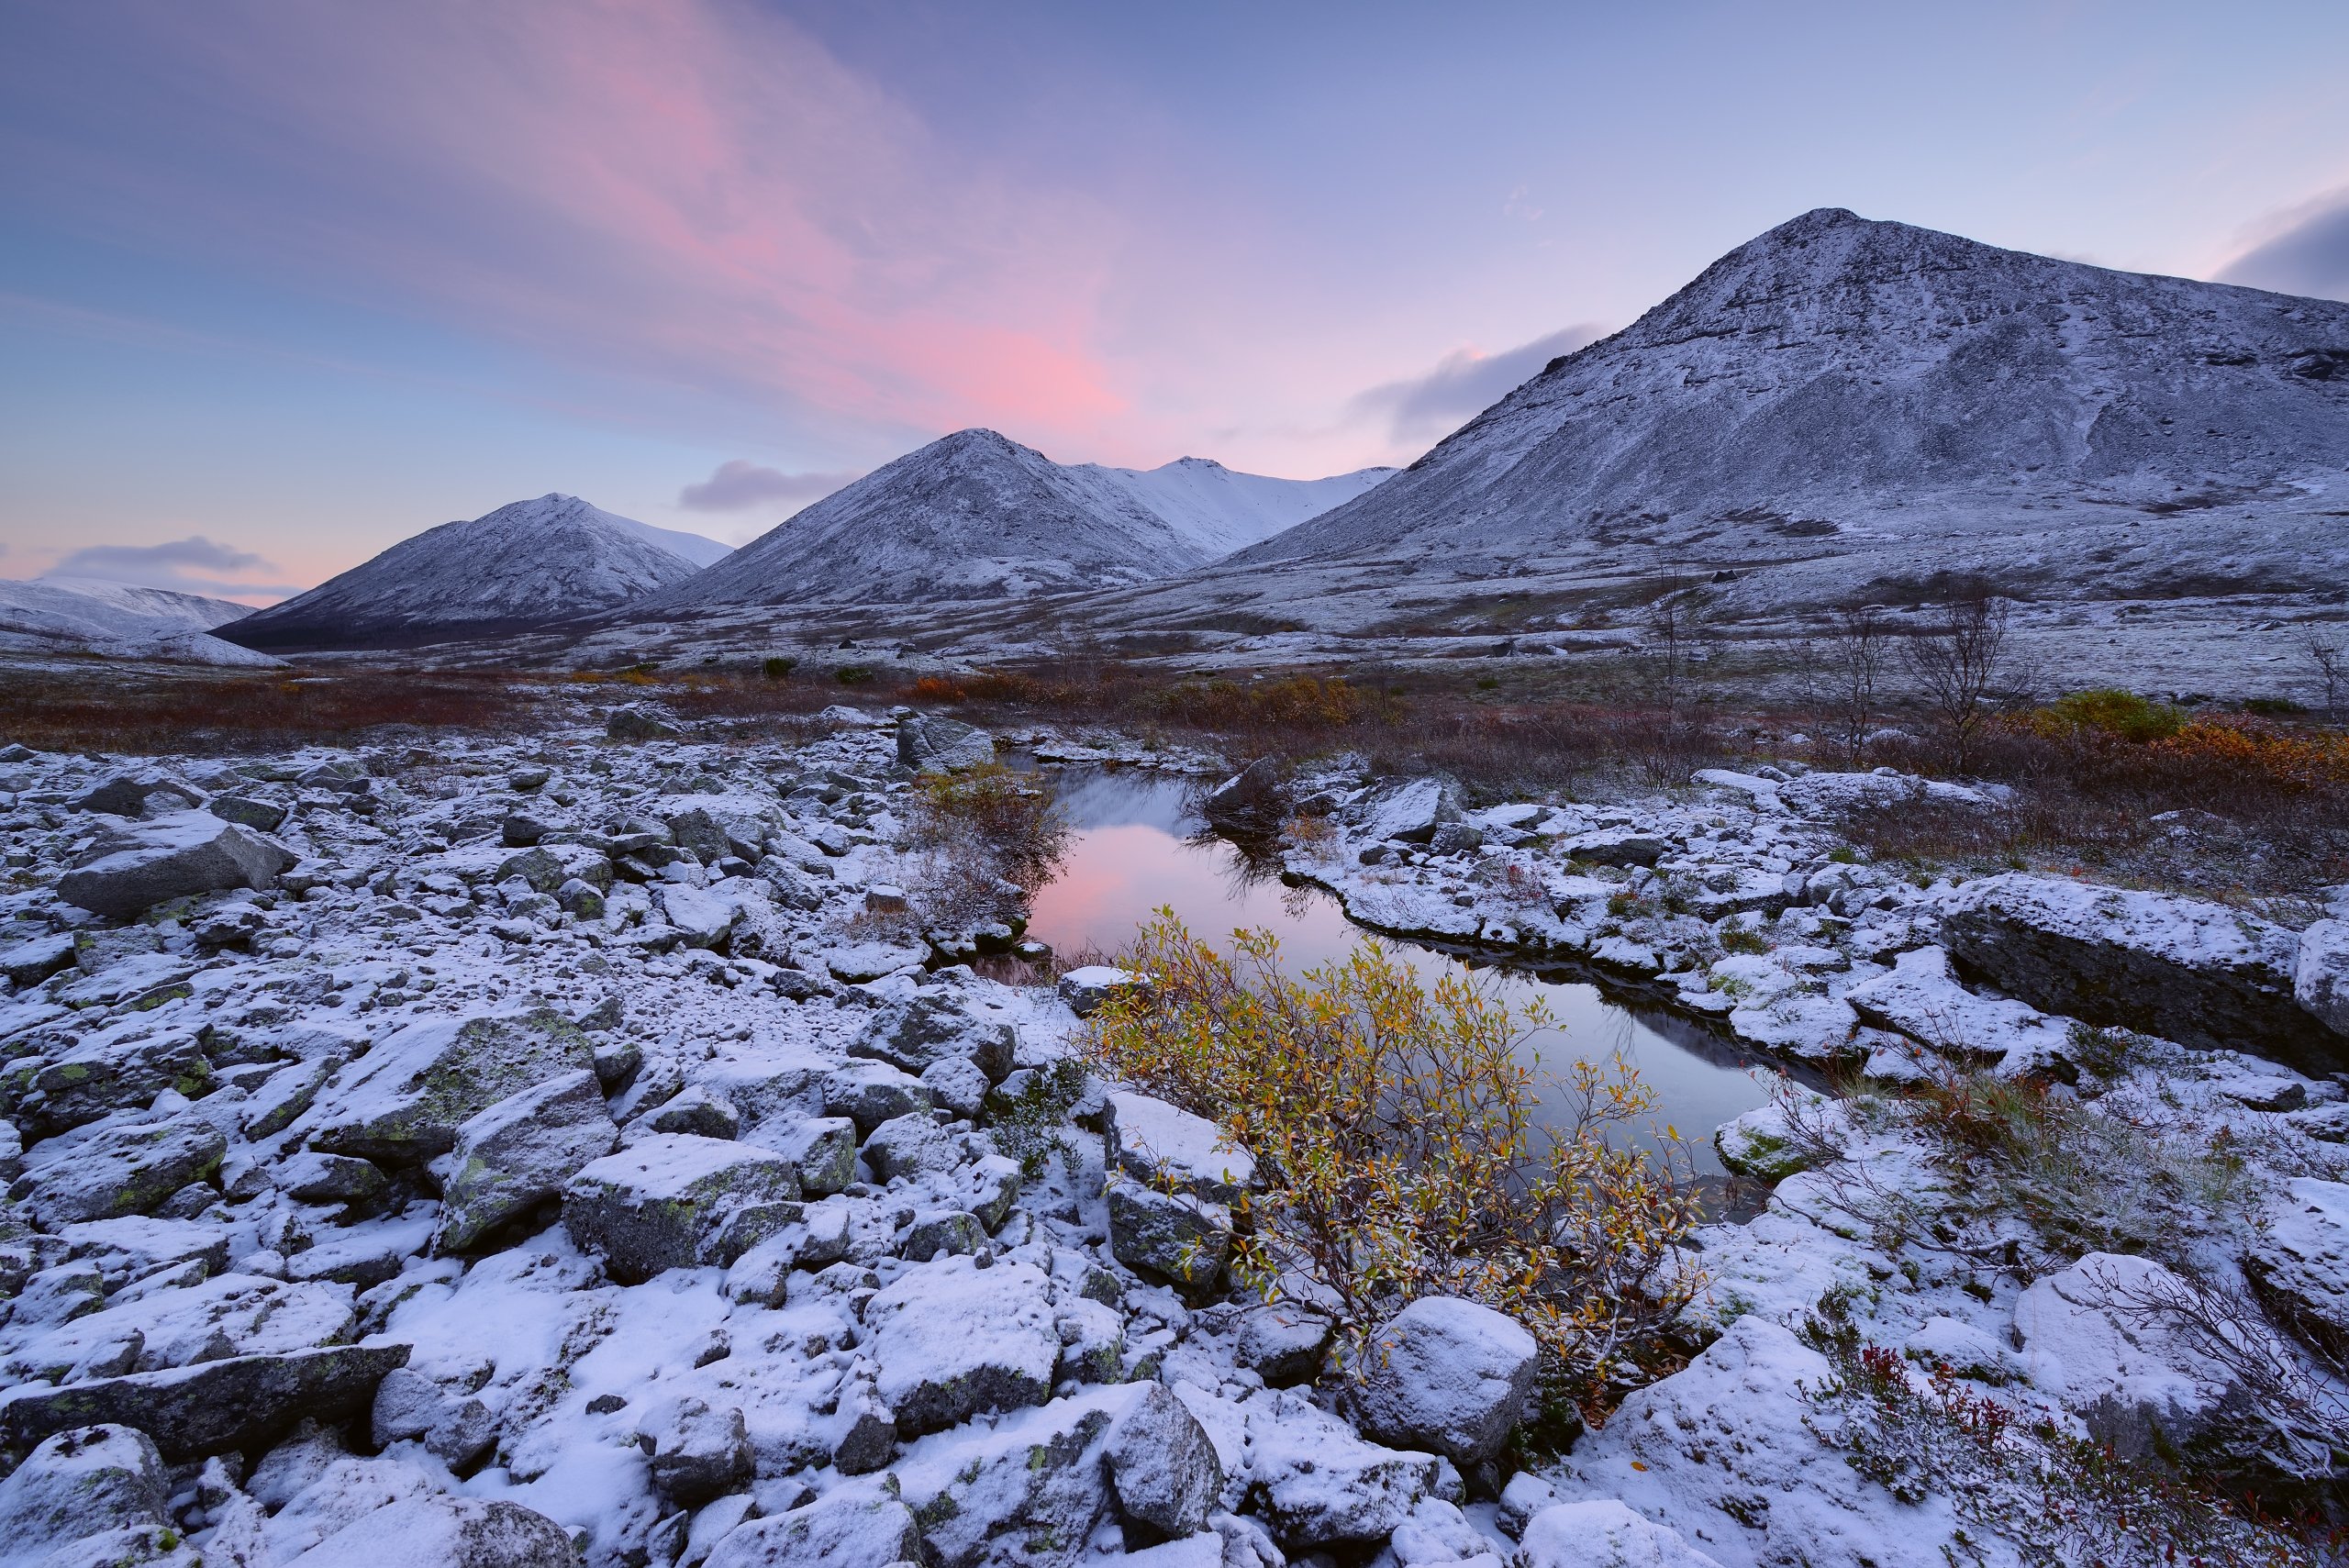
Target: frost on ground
563,1151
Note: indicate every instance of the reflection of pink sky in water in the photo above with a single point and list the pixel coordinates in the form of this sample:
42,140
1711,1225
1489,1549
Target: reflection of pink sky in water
1119,873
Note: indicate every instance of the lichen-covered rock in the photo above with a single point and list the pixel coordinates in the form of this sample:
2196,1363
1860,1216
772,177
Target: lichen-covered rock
123,1065
177,855
448,1532
911,1145
1169,1236
1168,1148
2320,974
953,1339
1409,811
402,1102
677,1201
1449,1375
1762,1143
697,1452
80,1483
243,1402
547,867
118,1169
932,1029
521,1152
2186,969
870,1093
938,745
1162,1464
824,1147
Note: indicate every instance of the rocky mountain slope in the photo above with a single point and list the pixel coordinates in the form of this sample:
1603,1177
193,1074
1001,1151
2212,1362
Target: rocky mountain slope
976,516
522,566
1838,387
118,620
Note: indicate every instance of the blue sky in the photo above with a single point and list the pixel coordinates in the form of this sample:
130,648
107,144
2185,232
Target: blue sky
298,280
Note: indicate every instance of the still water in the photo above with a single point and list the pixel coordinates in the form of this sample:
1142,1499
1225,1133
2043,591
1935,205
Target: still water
1135,847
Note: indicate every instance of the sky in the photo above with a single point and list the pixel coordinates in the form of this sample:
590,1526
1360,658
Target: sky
283,282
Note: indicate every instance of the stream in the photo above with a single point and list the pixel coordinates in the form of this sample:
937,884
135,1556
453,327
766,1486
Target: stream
1135,847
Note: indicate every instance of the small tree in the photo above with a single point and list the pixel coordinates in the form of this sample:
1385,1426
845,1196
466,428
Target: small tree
2329,658
1677,631
1395,1130
1955,662
1859,648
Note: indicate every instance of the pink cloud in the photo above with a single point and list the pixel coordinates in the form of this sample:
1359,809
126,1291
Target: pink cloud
686,188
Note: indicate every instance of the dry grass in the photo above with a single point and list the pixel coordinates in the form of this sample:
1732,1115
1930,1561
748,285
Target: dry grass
217,714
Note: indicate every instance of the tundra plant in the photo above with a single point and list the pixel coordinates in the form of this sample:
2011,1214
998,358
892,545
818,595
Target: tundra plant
1408,1144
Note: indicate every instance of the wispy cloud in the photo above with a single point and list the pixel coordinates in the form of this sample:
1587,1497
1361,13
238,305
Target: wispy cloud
741,484
1464,383
190,565
2307,253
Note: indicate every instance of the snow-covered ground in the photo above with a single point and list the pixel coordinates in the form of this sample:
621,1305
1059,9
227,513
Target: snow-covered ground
533,1151
116,620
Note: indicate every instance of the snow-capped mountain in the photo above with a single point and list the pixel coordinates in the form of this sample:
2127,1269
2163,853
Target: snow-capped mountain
119,620
522,566
1839,386
976,516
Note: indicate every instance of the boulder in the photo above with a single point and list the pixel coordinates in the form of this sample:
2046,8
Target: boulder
2320,974
1762,1145
824,1147
675,1201
242,1401
1169,1236
953,1339
2189,970
911,1145
934,1029
30,962
2299,1266
1614,847
248,811
1410,811
870,1093
402,1102
122,1065
549,867
1254,801
703,916
452,1423
1087,988
329,1178
698,1453
521,1152
848,1528
1922,999
1447,1374
636,722
120,1170
447,1532
1163,1466
80,1483
2089,1338
1170,1149
1284,1344
698,1110
1317,1484
1602,1534
179,855
936,745
138,794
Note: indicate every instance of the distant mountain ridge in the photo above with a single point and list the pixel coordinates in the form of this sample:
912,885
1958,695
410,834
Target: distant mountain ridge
978,516
1840,385
120,620
523,565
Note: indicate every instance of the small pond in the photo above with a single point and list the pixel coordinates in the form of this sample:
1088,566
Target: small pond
1136,846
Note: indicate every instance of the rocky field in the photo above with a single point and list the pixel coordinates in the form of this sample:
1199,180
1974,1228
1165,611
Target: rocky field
571,1150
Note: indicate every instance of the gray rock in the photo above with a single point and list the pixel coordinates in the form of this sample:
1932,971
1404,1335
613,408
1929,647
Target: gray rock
930,1029
2320,974
30,962
2186,969
1085,989
1602,1533
1162,1465
447,1532
402,1102
179,855
120,1170
329,1178
848,1528
942,1234
870,1093
244,1402
951,1339
699,1111
936,745
677,1201
958,1085
911,1145
521,1152
1410,811
111,1069
141,795
80,1483
547,867
637,723
824,1147
452,1423
521,829
1169,1236
1318,1484
1449,1375
1614,847
1166,1147
1283,1344
1454,837
2300,1265
1254,801
246,811
698,1453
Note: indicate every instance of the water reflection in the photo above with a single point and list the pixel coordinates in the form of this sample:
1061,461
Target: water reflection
1136,847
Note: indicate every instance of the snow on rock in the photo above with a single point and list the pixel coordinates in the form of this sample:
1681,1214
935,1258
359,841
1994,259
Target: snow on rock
2094,1337
520,1153
2300,1265
1602,1534
956,1337
1316,1483
1449,1375
677,1201
445,1532
2320,974
848,1528
404,1100
212,1408
2185,969
1922,999
933,744
179,855
82,1481
1167,1147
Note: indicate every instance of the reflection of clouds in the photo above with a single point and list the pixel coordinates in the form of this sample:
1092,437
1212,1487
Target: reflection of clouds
1119,873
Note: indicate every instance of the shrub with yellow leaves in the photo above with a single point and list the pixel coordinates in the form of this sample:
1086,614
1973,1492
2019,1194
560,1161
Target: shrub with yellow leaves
1407,1143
